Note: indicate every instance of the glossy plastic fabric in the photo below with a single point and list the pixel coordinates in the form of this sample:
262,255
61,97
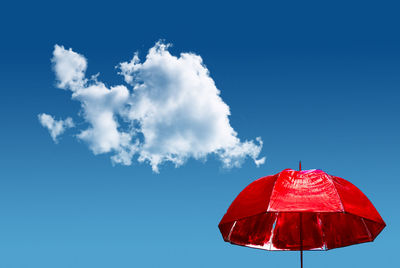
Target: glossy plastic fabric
294,210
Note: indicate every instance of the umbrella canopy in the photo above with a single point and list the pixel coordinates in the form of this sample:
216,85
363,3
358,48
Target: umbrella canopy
300,210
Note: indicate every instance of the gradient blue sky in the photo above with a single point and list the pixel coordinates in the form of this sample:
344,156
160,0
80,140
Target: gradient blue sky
317,81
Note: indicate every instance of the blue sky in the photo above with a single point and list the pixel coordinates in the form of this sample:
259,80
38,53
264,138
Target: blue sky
317,81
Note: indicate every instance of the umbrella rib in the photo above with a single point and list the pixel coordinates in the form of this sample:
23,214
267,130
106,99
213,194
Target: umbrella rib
366,228
272,192
272,231
334,187
322,231
230,232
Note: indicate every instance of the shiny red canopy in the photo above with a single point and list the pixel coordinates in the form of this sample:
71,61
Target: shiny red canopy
300,210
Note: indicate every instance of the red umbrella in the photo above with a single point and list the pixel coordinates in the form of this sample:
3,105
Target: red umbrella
300,210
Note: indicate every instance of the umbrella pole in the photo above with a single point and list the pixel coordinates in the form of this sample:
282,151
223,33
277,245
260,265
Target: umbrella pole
301,242
301,258
301,233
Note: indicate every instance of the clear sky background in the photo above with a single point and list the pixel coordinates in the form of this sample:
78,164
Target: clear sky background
319,82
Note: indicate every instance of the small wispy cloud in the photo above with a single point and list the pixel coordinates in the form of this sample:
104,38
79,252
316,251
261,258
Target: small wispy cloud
172,112
55,127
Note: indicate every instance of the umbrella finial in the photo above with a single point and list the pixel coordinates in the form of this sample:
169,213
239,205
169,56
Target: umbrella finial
300,165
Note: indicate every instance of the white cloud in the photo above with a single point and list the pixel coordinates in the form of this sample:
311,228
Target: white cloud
55,127
69,67
173,112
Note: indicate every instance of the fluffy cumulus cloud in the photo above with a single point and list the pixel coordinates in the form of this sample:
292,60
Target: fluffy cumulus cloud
170,110
55,127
